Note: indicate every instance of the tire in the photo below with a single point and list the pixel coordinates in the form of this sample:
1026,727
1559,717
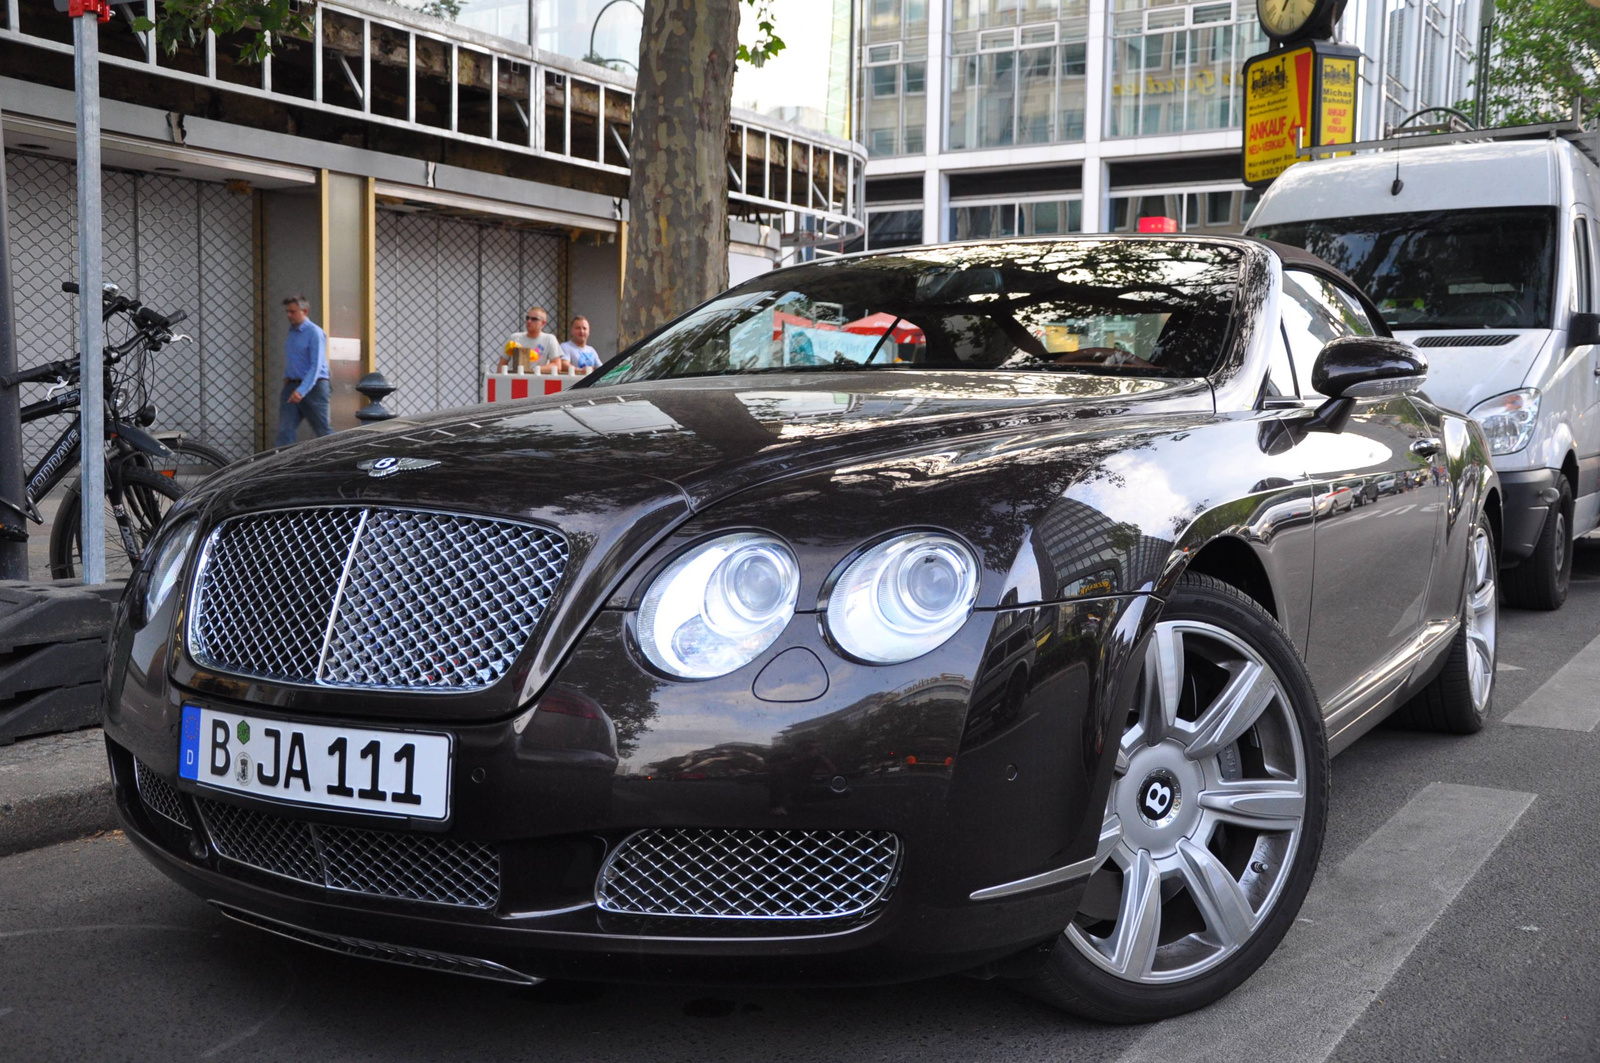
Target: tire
147,496
1542,581
1196,886
1457,700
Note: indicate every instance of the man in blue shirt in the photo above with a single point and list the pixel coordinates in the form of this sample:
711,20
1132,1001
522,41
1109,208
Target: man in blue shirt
575,348
305,373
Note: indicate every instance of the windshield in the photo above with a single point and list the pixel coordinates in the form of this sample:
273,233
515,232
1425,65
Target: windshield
1126,306
1441,269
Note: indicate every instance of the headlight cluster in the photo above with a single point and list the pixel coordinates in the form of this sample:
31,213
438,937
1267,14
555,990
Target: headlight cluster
723,602
1508,420
903,597
167,564
718,606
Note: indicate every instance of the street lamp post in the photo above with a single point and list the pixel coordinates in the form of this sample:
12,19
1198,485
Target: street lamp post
86,18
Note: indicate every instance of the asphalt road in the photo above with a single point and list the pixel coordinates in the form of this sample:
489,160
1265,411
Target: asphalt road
1454,918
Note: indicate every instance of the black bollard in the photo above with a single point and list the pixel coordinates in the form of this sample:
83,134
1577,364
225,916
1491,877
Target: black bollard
376,388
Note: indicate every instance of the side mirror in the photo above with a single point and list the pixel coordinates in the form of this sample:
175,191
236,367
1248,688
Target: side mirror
1356,367
1583,329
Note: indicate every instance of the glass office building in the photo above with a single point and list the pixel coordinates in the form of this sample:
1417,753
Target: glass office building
993,118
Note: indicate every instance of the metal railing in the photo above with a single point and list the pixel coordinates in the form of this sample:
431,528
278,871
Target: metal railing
384,64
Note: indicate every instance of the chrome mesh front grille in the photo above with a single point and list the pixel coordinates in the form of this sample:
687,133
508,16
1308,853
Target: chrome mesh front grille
749,874
372,598
158,795
412,867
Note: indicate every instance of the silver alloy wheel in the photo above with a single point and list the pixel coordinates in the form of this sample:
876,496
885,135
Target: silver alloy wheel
1205,814
1481,616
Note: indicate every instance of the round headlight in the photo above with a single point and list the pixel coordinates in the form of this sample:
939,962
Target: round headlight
719,605
167,565
903,597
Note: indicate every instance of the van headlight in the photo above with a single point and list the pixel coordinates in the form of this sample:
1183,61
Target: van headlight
717,607
167,565
1508,420
903,598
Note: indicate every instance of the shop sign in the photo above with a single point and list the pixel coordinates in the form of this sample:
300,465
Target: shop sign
1296,96
1336,105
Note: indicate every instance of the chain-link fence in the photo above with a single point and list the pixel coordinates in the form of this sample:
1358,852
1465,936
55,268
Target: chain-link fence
171,243
450,293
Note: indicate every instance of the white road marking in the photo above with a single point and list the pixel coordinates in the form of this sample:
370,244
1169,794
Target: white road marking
1567,700
1362,919
1503,667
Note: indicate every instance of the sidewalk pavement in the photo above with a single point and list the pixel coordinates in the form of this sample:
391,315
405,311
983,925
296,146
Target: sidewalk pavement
54,789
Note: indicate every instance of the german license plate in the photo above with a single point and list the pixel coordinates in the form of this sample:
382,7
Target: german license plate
396,773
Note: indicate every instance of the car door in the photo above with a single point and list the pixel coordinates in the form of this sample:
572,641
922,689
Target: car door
1373,563
1583,372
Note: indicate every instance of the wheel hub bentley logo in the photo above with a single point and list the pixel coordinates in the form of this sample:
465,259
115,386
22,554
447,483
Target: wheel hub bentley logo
378,468
1159,797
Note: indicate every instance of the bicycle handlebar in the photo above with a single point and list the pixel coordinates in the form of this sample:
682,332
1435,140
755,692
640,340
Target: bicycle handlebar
39,374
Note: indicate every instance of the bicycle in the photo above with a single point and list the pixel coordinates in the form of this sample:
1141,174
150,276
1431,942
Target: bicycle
137,494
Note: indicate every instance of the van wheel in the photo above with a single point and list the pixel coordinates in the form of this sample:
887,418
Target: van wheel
1542,580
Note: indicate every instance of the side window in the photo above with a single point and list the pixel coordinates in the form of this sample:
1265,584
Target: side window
1583,274
1312,316
1355,315
1280,373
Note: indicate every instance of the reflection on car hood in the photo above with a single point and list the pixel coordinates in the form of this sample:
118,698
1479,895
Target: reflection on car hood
705,437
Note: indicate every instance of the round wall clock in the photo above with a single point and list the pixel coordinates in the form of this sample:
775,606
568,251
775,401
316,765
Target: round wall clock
1293,20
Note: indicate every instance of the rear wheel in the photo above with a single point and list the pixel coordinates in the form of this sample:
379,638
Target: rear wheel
1458,698
1541,581
147,496
1214,822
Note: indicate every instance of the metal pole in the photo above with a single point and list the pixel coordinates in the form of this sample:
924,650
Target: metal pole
1480,109
91,332
13,529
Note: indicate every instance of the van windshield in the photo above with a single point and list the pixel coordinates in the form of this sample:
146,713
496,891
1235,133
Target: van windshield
1441,269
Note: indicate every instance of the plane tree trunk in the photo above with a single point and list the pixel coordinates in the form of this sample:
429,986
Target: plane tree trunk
677,250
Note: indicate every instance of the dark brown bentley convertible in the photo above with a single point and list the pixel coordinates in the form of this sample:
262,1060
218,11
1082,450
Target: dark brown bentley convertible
990,608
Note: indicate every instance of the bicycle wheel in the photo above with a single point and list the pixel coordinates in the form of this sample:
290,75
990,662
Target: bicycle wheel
147,496
191,461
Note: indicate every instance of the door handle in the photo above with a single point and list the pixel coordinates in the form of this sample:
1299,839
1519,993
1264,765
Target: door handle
1426,448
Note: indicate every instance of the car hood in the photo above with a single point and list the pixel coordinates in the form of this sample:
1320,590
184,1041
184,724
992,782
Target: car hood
617,469
1461,375
695,440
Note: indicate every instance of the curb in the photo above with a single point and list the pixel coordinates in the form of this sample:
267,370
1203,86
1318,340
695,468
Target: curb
54,789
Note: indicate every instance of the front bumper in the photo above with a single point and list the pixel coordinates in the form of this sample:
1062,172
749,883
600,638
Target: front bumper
984,778
1524,510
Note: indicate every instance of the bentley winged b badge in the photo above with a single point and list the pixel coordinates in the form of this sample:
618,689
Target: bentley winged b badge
378,468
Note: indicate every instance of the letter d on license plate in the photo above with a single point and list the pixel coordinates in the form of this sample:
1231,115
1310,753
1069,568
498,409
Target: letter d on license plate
391,773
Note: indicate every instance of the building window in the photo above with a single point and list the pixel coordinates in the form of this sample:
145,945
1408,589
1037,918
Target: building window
894,79
994,220
1176,69
894,227
1016,73
916,78
1214,210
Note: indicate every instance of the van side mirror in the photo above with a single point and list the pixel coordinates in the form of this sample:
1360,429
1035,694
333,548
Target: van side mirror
1356,367
1583,329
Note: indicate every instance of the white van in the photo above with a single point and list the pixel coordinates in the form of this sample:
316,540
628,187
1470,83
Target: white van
1482,255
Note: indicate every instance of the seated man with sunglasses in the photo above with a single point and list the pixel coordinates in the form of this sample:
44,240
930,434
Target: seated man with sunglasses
522,346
